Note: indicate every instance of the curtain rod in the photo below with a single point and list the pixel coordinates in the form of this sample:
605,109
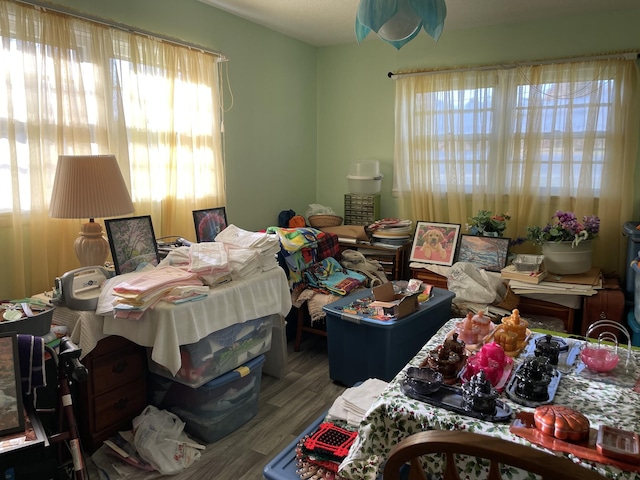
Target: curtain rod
121,26
622,56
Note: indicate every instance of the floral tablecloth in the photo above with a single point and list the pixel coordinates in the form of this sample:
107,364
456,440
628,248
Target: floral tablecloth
394,416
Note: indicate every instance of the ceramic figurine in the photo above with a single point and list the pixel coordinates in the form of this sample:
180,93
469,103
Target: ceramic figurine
479,395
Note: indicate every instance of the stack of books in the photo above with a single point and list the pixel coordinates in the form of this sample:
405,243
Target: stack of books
522,283
510,273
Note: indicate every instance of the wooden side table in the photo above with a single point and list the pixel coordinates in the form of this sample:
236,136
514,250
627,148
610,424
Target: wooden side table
429,277
526,305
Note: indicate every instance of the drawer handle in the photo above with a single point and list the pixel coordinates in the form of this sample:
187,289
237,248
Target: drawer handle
121,404
120,367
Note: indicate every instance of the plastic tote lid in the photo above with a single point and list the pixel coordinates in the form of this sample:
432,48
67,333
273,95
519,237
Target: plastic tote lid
365,168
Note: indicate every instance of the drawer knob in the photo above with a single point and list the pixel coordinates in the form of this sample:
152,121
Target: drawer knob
121,404
120,367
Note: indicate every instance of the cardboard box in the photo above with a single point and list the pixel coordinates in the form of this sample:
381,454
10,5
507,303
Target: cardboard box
395,304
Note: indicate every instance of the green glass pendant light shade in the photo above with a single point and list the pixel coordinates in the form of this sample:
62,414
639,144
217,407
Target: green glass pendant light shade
397,22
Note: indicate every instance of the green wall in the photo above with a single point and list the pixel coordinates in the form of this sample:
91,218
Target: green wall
356,98
298,116
301,116
270,125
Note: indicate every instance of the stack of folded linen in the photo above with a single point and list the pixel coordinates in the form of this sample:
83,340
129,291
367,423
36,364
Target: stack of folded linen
354,402
260,252
235,254
210,260
142,290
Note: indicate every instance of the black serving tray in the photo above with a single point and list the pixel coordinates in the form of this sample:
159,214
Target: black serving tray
450,398
527,402
569,351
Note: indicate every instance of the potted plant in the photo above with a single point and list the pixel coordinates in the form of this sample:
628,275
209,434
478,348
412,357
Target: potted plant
566,242
485,223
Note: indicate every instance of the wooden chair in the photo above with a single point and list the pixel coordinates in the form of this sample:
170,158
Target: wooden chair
496,450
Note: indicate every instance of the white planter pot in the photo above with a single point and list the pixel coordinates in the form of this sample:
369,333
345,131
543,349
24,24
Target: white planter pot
562,258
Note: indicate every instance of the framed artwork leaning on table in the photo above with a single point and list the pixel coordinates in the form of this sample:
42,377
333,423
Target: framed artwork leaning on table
489,253
209,223
132,243
435,243
11,407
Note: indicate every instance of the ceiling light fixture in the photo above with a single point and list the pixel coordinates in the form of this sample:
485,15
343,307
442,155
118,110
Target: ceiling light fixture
397,22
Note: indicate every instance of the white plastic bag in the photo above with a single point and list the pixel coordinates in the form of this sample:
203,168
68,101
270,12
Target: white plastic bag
471,284
317,209
160,440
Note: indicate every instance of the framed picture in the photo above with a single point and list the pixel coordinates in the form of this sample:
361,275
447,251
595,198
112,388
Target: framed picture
489,253
133,243
11,407
209,223
435,243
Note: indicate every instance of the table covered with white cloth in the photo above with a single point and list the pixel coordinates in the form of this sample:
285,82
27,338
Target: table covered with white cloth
167,326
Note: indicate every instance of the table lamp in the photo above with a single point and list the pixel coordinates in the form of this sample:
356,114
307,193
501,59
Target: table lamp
89,186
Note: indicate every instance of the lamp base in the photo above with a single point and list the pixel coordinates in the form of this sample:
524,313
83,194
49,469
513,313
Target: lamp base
91,247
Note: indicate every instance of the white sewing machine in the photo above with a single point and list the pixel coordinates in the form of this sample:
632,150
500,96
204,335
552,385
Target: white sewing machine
79,289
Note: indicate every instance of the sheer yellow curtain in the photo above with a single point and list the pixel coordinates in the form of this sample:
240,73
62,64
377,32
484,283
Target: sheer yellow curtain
528,141
72,86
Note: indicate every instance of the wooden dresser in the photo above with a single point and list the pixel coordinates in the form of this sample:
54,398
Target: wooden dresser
394,260
115,391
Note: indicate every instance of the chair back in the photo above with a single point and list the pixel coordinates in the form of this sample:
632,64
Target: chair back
496,450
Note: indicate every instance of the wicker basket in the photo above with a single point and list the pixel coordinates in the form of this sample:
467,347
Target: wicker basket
321,221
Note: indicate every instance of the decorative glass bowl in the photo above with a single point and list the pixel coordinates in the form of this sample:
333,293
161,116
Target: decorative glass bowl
599,359
424,381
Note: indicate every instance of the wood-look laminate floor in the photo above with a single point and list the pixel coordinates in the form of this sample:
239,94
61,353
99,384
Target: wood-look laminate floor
286,407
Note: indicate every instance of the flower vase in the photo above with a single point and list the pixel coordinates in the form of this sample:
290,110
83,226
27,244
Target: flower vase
562,258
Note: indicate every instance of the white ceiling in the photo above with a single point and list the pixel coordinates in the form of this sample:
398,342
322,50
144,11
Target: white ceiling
331,22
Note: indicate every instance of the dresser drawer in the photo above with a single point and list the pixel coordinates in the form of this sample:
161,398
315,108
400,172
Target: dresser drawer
117,369
429,277
123,403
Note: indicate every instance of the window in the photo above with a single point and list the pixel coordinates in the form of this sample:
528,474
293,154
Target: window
528,140
73,86
476,122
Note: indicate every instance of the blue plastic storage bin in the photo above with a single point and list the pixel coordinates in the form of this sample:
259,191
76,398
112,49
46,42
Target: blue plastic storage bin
361,348
633,247
215,409
634,326
635,270
219,352
283,466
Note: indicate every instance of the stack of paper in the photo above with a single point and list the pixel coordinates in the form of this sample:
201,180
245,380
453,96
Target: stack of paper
585,284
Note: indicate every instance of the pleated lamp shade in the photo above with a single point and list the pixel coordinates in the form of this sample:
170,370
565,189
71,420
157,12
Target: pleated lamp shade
89,186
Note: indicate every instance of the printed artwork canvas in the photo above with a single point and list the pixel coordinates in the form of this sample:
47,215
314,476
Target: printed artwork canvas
435,243
489,253
209,223
11,407
132,243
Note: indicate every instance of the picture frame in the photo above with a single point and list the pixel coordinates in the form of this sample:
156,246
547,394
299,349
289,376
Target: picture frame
209,222
132,243
488,253
435,243
11,407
